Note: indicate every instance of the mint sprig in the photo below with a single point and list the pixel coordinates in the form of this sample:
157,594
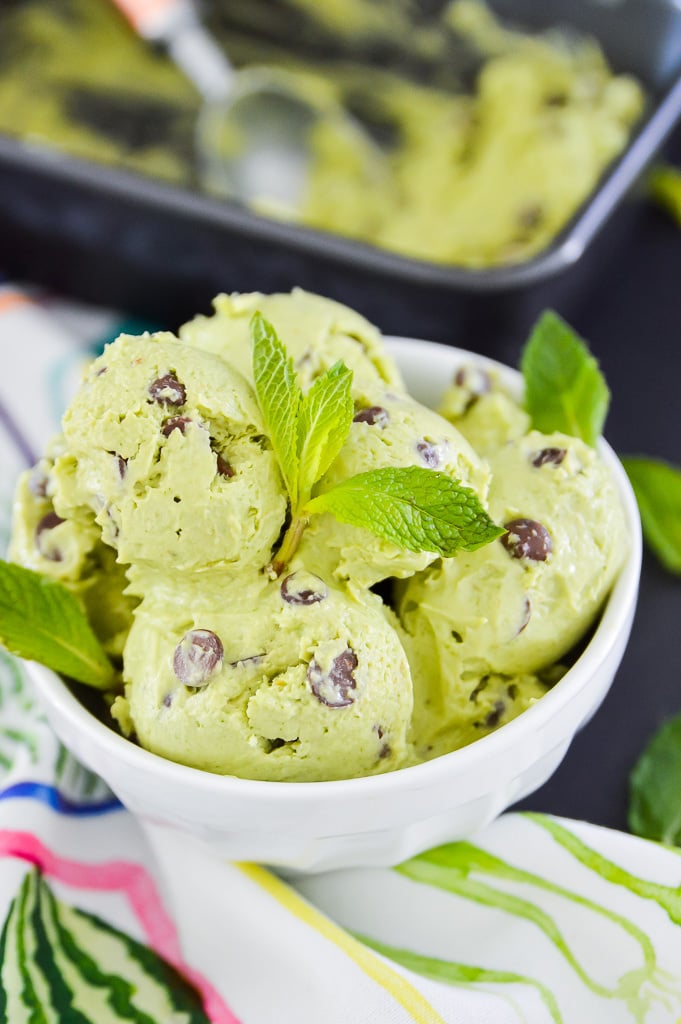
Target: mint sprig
415,508
655,787
657,487
564,388
41,620
323,425
418,509
280,397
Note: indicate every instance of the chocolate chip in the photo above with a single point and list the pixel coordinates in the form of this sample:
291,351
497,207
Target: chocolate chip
275,744
303,588
374,415
526,538
478,689
104,369
428,453
385,748
115,528
333,688
197,657
175,423
252,659
47,523
549,456
122,466
530,217
168,699
494,716
526,615
473,379
168,390
224,467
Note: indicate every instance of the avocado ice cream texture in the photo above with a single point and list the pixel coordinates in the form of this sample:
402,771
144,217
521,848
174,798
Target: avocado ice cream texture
166,446
507,131
161,503
302,679
317,333
389,429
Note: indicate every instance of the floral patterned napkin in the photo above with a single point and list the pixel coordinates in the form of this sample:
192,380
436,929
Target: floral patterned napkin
535,920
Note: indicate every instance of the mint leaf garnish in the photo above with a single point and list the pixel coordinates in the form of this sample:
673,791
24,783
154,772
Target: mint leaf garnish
41,620
418,509
655,787
279,396
323,425
415,508
665,188
564,388
657,487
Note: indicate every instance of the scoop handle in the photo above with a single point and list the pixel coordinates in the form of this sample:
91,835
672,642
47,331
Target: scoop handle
176,26
155,19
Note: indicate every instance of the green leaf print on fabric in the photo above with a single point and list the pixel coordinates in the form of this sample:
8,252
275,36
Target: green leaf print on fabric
666,896
76,782
463,974
20,716
470,872
59,964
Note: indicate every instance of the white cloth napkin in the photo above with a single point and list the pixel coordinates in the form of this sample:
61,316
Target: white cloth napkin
535,920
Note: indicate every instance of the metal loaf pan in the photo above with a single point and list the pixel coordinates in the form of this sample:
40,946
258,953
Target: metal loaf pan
113,237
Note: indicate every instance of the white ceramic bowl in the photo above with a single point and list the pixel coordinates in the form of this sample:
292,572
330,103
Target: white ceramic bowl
383,819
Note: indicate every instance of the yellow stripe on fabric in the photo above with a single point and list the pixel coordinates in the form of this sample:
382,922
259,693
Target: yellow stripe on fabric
394,983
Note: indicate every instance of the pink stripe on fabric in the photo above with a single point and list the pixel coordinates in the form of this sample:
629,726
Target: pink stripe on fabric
142,895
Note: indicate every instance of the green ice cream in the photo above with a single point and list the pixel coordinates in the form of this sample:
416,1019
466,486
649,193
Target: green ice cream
317,332
161,505
388,430
70,550
288,680
483,410
165,445
492,138
518,606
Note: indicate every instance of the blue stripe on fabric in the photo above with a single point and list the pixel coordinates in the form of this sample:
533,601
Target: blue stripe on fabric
53,798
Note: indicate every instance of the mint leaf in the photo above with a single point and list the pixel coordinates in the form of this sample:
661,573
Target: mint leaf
418,509
655,787
279,396
657,487
323,425
564,389
665,188
42,621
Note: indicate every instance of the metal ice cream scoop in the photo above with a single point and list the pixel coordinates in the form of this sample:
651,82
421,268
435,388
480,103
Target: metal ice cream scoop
256,127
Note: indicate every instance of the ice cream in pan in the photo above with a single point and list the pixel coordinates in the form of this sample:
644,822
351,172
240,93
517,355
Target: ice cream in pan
162,502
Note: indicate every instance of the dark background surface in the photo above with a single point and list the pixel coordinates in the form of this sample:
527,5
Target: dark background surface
624,297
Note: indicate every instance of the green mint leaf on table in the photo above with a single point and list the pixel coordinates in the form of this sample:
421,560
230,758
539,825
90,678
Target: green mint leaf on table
323,425
279,396
418,509
41,620
665,188
655,787
564,388
657,487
